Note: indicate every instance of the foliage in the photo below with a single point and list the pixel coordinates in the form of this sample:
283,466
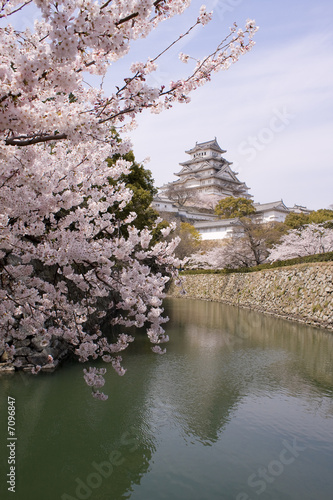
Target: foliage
230,207
189,229
139,180
249,246
320,216
253,242
297,220
253,250
68,258
249,249
273,232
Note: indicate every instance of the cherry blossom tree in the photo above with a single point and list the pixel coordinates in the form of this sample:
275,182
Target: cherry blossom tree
248,246
179,196
231,253
212,258
205,202
63,262
308,240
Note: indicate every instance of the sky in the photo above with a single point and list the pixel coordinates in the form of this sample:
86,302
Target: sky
271,111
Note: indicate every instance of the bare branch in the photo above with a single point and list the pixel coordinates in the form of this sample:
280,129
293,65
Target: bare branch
106,4
176,41
14,11
27,141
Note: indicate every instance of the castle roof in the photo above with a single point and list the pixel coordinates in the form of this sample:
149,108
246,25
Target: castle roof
274,205
208,172
206,145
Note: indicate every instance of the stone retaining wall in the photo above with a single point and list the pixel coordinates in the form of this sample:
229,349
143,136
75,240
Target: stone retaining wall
32,352
303,292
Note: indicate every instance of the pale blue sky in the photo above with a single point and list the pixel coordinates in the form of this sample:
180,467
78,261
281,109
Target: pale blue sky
271,111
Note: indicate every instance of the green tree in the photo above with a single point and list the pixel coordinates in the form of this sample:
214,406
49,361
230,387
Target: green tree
230,207
296,220
321,215
141,183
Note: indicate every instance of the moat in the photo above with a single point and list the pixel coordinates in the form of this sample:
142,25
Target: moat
239,408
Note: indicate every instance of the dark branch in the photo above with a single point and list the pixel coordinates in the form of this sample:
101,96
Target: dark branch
6,96
106,4
133,15
14,11
127,18
27,141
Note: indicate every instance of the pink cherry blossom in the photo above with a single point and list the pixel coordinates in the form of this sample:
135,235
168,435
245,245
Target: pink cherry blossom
308,240
64,263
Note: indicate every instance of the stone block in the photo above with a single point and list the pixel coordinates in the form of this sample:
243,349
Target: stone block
6,368
28,368
21,343
38,358
39,343
50,367
23,351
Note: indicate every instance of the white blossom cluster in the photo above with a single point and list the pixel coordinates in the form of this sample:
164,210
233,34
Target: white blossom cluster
62,250
308,240
43,95
57,203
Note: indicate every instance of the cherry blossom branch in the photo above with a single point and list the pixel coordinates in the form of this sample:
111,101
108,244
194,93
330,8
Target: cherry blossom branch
17,10
20,141
175,41
60,239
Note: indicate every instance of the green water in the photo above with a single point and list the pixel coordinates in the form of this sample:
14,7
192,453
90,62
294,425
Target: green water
239,408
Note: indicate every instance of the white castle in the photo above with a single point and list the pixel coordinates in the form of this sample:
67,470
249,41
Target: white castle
208,173
208,176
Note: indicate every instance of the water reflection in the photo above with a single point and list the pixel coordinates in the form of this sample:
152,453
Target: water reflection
69,445
193,424
215,325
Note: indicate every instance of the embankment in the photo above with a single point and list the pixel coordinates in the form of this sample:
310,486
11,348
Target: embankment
303,292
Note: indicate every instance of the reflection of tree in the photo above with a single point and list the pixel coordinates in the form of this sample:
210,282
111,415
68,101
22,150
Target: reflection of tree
217,356
64,436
